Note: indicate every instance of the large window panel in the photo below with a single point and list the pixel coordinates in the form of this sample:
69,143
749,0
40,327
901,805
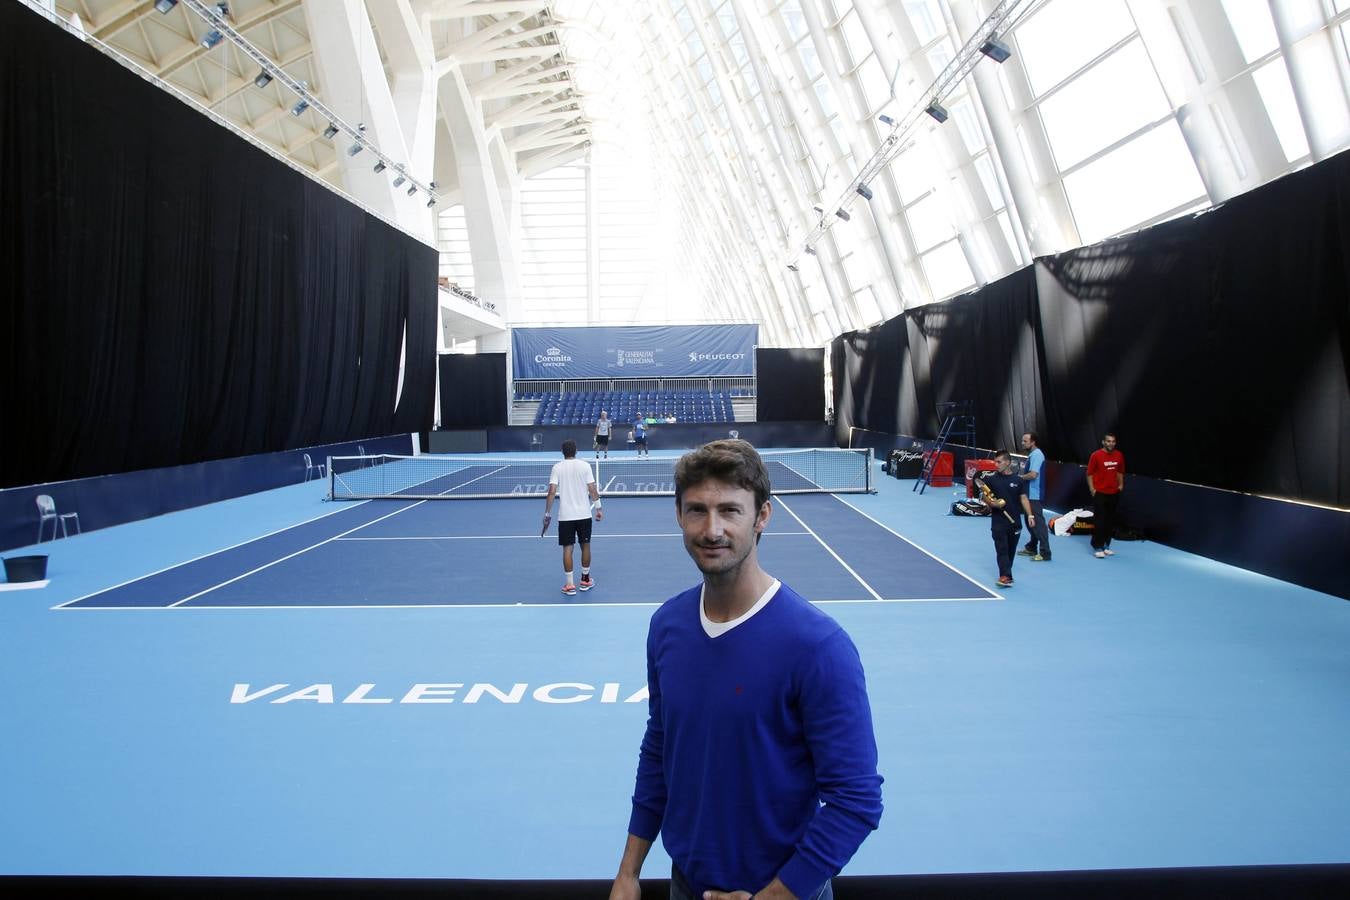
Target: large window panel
825,96
968,123
876,87
855,36
1272,82
925,18
1253,27
916,171
1064,35
793,20
811,64
989,180
930,221
1117,96
868,307
947,271
1133,184
858,268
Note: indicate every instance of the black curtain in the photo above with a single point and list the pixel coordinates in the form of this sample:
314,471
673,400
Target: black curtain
473,390
1217,347
171,294
790,384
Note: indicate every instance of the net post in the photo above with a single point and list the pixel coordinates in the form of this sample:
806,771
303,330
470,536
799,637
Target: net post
330,479
871,458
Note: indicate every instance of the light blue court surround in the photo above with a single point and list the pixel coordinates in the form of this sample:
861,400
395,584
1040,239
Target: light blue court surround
1152,709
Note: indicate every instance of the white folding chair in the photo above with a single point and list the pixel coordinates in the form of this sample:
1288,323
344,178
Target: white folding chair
310,467
47,511
537,441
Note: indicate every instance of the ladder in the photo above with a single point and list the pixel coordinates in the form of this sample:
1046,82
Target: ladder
957,422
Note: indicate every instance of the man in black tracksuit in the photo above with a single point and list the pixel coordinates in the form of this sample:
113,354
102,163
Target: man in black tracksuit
1008,490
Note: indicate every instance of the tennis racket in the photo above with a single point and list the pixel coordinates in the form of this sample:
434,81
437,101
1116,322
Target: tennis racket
547,518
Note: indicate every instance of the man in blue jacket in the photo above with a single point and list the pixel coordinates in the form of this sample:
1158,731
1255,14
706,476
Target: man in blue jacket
759,765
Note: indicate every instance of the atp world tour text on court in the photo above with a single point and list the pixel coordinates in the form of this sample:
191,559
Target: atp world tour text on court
560,692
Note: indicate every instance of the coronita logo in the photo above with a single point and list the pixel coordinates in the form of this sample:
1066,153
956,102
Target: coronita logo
705,357
553,356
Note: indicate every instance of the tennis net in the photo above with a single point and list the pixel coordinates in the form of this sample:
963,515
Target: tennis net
471,477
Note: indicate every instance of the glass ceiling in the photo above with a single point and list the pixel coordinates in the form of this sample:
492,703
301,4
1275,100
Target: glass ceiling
725,131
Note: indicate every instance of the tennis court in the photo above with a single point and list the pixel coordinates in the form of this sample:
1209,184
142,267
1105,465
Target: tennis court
280,685
488,552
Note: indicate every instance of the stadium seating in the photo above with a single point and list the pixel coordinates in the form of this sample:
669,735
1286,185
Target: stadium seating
583,407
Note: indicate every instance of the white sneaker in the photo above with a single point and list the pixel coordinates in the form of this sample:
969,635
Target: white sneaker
1109,552
1100,554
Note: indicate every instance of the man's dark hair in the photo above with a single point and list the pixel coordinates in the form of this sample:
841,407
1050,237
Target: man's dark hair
569,448
1110,434
1002,454
732,461
1035,438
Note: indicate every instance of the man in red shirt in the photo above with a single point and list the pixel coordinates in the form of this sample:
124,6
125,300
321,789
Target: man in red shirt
1106,480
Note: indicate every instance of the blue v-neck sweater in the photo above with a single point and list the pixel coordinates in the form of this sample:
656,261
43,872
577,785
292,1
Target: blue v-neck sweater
759,758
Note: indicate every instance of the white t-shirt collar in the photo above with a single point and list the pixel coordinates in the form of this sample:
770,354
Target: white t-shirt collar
716,629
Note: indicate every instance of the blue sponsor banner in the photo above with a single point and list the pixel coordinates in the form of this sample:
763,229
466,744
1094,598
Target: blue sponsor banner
634,351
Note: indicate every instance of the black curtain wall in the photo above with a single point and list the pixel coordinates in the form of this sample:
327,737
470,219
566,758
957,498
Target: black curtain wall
1217,347
790,384
473,390
170,294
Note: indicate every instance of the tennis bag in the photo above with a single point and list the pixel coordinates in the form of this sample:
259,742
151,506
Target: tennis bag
970,508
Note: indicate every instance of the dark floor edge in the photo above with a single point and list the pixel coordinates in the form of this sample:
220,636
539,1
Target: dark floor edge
1320,880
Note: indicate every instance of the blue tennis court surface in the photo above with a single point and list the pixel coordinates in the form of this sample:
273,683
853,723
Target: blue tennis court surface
282,686
489,552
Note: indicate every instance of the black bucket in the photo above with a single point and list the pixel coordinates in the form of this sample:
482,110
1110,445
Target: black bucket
25,568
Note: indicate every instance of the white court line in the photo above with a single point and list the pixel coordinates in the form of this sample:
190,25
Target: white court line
829,549
472,480
286,557
532,537
274,562
556,605
194,559
995,594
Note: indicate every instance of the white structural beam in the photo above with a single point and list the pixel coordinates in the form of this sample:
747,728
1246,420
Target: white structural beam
495,268
348,61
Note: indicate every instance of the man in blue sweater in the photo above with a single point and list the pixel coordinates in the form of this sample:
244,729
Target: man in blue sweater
759,765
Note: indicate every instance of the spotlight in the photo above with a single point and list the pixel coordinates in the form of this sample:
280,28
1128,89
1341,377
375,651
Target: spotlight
299,108
412,189
865,192
263,80
354,149
399,179
996,50
222,9
810,249
819,210
842,214
433,185
792,267
937,111
165,5
330,130
211,38
431,203
379,165
886,120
